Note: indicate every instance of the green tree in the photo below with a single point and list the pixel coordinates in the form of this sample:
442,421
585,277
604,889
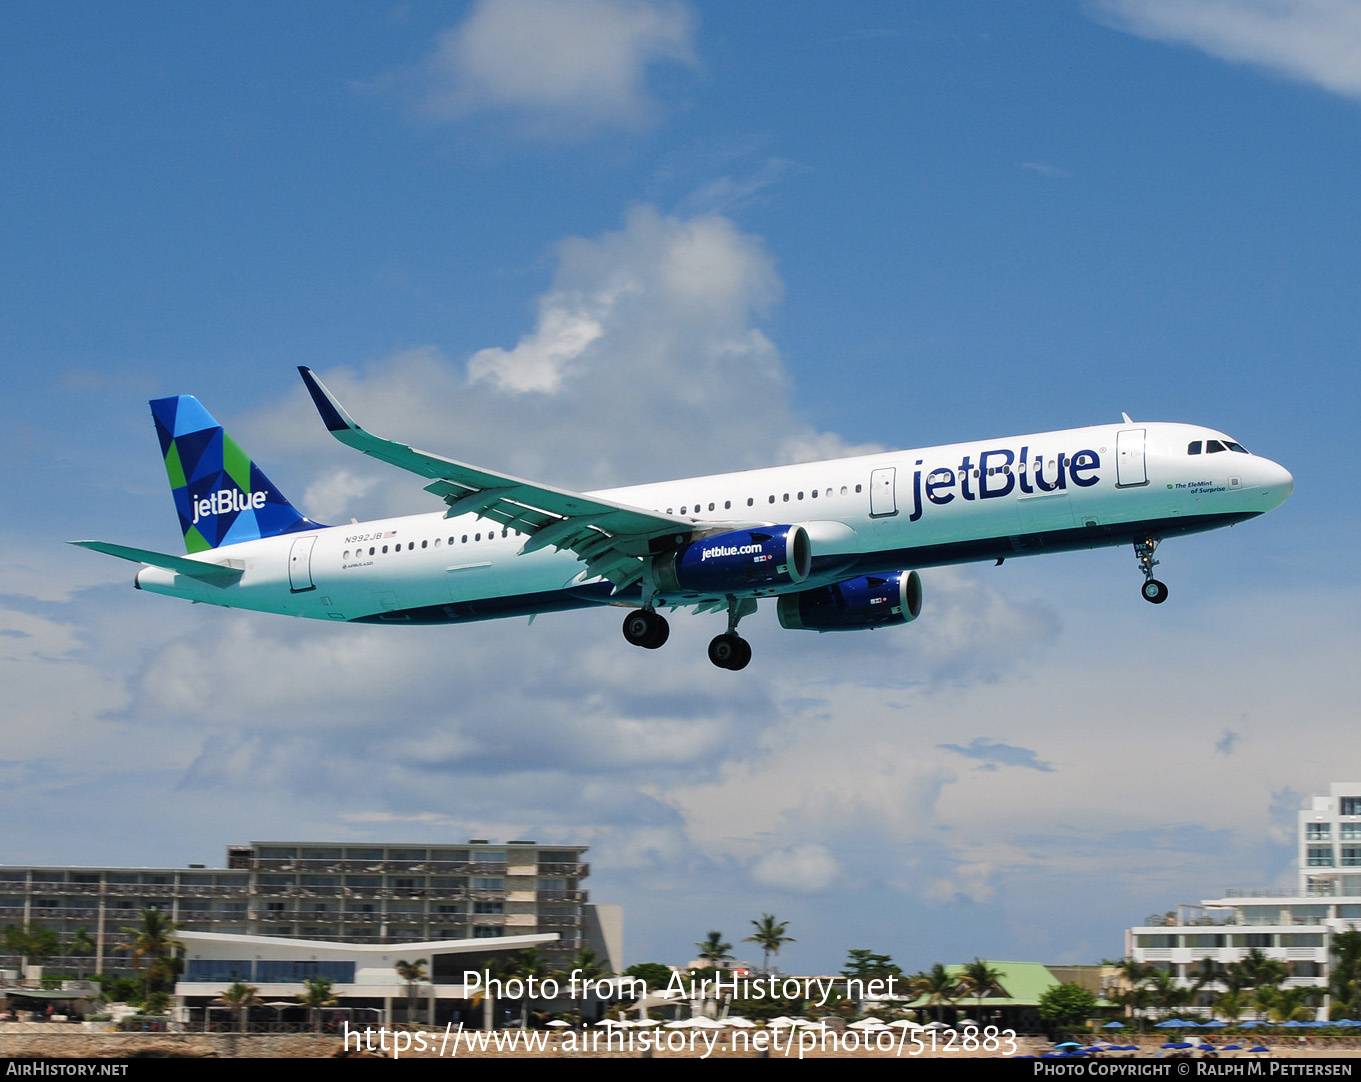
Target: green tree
982,980
240,998
528,965
770,937
588,965
865,965
413,973
714,950
81,945
1294,1004
33,941
152,947
1230,1007
653,974
1067,1006
317,995
938,986
1344,975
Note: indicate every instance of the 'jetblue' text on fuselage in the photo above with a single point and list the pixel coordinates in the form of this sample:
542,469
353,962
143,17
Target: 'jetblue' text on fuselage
998,473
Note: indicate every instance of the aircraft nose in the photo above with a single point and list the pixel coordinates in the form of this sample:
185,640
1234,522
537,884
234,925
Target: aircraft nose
1277,482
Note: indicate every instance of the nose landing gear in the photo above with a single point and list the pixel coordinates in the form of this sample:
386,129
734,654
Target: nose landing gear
1153,590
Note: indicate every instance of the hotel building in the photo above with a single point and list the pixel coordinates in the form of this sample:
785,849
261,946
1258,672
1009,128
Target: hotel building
347,892
1295,925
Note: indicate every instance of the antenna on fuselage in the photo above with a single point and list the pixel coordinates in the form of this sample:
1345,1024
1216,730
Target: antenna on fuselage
1126,417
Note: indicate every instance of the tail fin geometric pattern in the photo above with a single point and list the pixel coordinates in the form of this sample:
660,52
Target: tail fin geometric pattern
221,496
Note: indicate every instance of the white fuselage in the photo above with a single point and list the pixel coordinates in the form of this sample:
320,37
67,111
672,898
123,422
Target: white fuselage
899,510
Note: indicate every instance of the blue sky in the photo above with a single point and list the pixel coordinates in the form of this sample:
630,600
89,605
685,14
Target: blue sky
598,242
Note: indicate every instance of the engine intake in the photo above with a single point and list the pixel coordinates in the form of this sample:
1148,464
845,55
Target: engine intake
736,561
869,601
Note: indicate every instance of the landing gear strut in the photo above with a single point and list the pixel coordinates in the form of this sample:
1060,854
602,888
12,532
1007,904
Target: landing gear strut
645,628
1153,590
730,650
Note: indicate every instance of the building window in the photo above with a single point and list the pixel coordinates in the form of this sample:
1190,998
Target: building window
1351,856
1351,805
1318,831
1350,831
1320,856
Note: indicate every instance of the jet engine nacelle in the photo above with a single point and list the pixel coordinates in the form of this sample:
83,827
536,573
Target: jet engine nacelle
866,602
737,561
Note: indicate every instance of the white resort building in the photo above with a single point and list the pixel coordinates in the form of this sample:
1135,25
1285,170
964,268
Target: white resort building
1294,925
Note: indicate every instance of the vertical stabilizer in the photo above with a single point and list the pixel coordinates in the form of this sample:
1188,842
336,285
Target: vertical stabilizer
222,497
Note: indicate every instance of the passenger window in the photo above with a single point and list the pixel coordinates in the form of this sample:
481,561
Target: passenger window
385,548
857,488
727,505
682,510
465,538
814,494
843,490
346,555
786,497
800,495
370,550
750,501
772,499
711,507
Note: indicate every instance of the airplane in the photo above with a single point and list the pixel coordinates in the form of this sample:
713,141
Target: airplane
837,543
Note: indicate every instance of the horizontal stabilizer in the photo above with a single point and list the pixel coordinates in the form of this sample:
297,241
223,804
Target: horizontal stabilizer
217,574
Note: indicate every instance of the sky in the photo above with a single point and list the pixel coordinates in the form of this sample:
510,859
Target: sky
599,242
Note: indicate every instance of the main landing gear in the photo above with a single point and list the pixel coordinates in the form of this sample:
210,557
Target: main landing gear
648,629
645,628
730,650
1153,590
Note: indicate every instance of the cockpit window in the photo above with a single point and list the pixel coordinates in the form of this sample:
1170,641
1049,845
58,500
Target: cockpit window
1237,447
1193,448
1212,446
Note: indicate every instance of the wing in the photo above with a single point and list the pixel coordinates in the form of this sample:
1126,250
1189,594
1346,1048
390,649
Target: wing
611,539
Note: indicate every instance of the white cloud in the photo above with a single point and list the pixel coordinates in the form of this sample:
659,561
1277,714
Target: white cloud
1314,41
804,869
565,67
646,360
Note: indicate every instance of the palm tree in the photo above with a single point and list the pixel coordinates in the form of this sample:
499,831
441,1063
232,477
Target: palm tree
938,987
1344,976
713,950
240,997
153,943
413,973
1263,975
317,996
1230,1007
81,945
1294,1004
769,935
982,980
